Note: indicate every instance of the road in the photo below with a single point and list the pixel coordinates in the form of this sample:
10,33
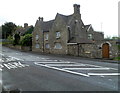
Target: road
29,71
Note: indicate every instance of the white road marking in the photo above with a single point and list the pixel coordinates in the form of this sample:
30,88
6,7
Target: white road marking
1,60
99,66
15,65
102,76
110,79
105,74
16,58
54,62
44,58
47,60
87,68
1,66
1,54
62,70
58,65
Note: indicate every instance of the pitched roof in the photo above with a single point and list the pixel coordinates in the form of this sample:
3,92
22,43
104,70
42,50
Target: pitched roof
47,25
64,17
87,27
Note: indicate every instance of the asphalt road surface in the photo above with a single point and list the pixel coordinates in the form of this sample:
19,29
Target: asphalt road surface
29,71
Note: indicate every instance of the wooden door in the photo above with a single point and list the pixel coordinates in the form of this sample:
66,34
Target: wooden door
105,50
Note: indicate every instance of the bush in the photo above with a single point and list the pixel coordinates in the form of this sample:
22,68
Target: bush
26,40
16,39
10,39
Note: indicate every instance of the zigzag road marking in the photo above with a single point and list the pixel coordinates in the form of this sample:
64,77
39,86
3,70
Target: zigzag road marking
72,72
87,68
105,74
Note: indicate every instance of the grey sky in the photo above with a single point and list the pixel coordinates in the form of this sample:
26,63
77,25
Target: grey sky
102,14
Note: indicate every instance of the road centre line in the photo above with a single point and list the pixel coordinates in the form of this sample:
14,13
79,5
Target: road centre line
87,68
107,74
72,72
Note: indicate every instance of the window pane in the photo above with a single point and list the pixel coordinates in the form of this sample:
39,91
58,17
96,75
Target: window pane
46,37
37,37
90,36
57,34
37,46
58,46
47,45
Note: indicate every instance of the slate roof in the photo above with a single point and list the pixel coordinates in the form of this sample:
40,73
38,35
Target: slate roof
64,17
87,26
47,25
22,30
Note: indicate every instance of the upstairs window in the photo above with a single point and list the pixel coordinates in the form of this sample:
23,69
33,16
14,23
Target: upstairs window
46,36
90,36
37,46
58,46
37,37
58,35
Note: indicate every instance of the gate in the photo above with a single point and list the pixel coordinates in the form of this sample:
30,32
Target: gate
105,50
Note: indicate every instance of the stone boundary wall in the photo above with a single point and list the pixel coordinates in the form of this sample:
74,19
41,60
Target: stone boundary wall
18,47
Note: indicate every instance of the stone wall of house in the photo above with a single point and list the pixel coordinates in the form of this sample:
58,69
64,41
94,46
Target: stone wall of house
93,50
73,50
113,49
37,31
58,26
88,50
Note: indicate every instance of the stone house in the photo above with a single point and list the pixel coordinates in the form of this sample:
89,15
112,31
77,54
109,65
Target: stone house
23,30
69,35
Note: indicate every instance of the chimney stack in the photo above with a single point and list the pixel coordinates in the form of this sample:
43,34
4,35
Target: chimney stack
40,18
76,9
25,25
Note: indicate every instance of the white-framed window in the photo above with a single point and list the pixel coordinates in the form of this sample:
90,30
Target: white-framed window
90,36
58,34
58,46
47,45
46,36
37,37
37,46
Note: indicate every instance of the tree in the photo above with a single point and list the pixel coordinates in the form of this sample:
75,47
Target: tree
8,29
30,30
16,39
26,40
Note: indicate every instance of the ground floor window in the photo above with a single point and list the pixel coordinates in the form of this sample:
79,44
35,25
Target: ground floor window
37,46
47,45
58,46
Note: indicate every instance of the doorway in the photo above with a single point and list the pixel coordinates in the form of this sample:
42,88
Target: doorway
105,50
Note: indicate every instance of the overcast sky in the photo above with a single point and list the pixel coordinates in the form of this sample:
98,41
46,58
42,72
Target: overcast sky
102,14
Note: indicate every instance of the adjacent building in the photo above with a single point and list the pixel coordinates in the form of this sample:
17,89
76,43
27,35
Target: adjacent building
22,30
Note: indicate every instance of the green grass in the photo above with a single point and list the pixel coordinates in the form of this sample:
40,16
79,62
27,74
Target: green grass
5,43
117,58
